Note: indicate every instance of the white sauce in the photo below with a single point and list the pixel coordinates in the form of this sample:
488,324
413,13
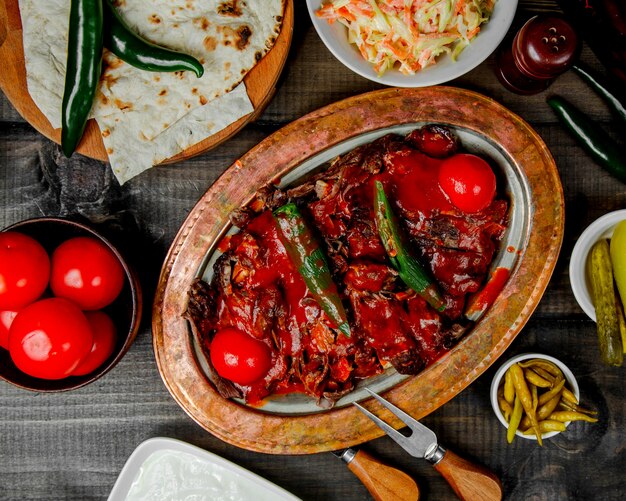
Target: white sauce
179,476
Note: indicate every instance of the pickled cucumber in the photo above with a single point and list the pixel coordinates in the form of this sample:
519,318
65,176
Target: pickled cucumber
622,324
618,259
601,273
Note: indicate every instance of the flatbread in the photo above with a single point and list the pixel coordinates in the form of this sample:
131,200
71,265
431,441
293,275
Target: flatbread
136,108
44,32
130,155
228,46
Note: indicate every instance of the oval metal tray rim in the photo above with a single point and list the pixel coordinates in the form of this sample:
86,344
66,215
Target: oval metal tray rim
313,133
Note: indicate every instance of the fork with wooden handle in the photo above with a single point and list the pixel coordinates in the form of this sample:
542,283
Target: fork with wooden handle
384,482
470,481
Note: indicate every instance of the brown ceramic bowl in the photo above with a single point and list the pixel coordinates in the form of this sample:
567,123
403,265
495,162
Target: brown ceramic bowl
125,311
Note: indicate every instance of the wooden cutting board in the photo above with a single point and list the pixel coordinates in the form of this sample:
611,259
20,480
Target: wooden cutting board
260,84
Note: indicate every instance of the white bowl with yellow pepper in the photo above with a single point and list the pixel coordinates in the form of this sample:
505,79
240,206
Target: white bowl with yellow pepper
556,400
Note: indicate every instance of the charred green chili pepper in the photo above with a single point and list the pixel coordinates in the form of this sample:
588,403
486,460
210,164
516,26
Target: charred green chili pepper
84,62
138,52
602,88
409,269
591,137
309,260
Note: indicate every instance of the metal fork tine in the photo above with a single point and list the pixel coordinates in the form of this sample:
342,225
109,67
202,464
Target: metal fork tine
399,413
397,437
469,481
420,443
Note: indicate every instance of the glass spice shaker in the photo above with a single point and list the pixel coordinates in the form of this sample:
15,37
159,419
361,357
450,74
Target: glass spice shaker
542,49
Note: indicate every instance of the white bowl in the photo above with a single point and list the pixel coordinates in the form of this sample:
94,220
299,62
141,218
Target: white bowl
581,287
492,33
495,383
192,473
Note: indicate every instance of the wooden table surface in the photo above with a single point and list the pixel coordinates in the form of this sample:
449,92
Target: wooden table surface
73,445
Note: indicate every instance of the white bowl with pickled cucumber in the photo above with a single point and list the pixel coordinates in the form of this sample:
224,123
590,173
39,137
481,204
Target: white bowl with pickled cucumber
602,227
498,380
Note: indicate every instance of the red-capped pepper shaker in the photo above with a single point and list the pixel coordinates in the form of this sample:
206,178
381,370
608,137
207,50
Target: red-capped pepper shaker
542,49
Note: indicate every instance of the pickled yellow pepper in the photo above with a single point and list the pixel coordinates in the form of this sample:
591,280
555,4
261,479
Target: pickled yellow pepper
549,395
516,417
523,393
509,389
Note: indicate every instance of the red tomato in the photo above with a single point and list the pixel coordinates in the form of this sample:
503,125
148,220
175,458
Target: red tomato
104,336
87,272
238,357
24,270
6,319
468,181
49,338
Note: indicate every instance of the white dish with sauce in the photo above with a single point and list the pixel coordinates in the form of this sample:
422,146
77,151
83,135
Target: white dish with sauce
162,469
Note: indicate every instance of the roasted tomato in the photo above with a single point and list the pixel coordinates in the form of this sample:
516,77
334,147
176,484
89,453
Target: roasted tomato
87,272
434,140
468,181
49,338
238,357
24,270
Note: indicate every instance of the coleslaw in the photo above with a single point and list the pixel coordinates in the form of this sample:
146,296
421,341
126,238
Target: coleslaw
408,35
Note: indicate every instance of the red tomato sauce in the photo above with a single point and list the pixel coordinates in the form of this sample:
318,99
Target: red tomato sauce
257,289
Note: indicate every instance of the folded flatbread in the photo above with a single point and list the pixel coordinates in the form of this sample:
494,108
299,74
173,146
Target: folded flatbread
136,108
131,155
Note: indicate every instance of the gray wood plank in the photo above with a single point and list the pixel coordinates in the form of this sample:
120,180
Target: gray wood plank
71,446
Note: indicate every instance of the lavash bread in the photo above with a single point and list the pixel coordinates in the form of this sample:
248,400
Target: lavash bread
227,45
136,109
130,155
44,32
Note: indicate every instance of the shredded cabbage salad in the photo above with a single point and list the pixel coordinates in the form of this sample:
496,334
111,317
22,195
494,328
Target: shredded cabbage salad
408,34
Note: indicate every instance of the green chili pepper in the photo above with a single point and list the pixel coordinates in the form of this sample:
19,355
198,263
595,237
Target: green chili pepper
591,137
84,62
138,52
309,260
409,269
602,88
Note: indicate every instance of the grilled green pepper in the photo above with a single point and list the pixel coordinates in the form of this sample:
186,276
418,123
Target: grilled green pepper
84,63
309,260
409,269
138,52
591,137
602,88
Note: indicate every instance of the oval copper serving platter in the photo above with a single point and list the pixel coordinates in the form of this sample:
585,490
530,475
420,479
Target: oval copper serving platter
275,160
